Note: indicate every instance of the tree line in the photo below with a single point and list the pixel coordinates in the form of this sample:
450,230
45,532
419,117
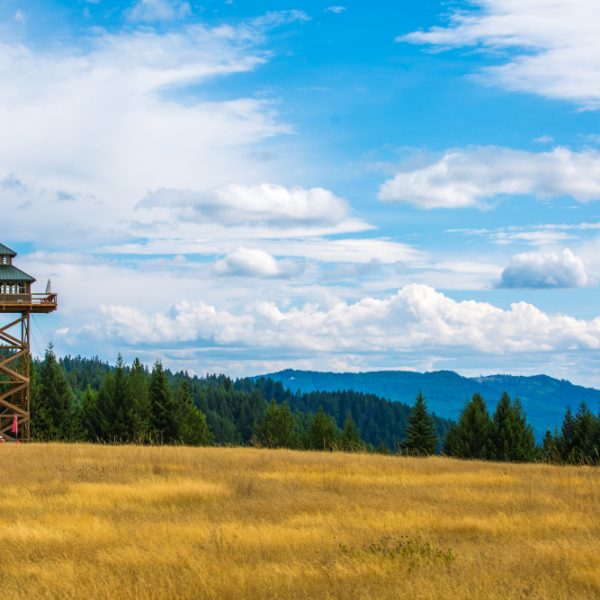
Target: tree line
506,436
80,399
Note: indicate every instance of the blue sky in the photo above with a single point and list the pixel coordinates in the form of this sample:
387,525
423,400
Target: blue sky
247,186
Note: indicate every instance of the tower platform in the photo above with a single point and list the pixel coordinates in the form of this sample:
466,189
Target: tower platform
28,303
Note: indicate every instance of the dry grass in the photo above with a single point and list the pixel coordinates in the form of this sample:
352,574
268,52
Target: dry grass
131,522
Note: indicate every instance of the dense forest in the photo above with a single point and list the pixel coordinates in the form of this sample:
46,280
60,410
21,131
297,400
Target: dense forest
80,399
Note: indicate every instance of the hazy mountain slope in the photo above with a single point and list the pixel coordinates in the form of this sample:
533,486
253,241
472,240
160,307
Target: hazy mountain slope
544,398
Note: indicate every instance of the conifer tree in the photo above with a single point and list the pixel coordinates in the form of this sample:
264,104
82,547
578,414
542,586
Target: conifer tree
566,443
52,404
513,439
471,436
138,407
105,410
120,418
550,449
322,432
277,428
350,440
41,423
584,436
420,432
191,422
89,409
597,439
164,420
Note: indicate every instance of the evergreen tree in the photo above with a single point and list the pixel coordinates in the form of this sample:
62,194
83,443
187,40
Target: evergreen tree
138,407
584,436
551,452
350,440
420,433
566,442
191,422
513,439
277,428
105,409
52,403
471,436
120,419
322,432
164,419
597,437
91,426
41,422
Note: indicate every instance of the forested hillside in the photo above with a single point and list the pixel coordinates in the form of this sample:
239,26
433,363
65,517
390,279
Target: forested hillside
543,398
232,408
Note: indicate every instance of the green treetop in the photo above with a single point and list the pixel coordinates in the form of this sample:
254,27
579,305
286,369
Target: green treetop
471,436
420,432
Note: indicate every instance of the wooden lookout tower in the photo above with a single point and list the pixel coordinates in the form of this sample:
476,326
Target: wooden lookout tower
17,300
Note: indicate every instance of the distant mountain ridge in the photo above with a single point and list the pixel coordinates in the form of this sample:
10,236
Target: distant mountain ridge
544,398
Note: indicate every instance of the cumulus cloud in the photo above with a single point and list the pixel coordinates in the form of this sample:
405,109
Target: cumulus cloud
252,262
188,321
149,11
416,318
236,204
467,178
545,270
555,45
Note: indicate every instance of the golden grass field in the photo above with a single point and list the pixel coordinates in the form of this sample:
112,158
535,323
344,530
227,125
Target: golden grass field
83,521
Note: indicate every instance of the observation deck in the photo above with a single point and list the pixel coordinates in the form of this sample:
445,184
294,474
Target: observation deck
28,303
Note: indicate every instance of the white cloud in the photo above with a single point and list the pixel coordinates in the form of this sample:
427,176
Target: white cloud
277,18
545,270
149,11
546,234
467,178
336,10
188,321
236,204
110,120
534,238
555,44
416,318
252,262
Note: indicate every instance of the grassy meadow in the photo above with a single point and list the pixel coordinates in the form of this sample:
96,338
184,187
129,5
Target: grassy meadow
83,521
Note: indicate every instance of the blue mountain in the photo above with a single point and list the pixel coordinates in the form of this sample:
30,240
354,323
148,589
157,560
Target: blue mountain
544,398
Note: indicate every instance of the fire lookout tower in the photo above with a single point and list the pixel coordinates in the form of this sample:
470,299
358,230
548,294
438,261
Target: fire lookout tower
15,352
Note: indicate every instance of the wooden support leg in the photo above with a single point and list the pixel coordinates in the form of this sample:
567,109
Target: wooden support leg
15,377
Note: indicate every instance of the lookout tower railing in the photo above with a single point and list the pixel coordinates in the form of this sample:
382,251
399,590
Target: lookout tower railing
34,303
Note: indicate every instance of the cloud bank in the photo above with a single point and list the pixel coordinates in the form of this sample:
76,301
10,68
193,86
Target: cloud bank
469,178
236,204
416,318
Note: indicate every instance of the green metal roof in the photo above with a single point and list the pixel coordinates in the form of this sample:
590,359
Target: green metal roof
10,274
6,251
